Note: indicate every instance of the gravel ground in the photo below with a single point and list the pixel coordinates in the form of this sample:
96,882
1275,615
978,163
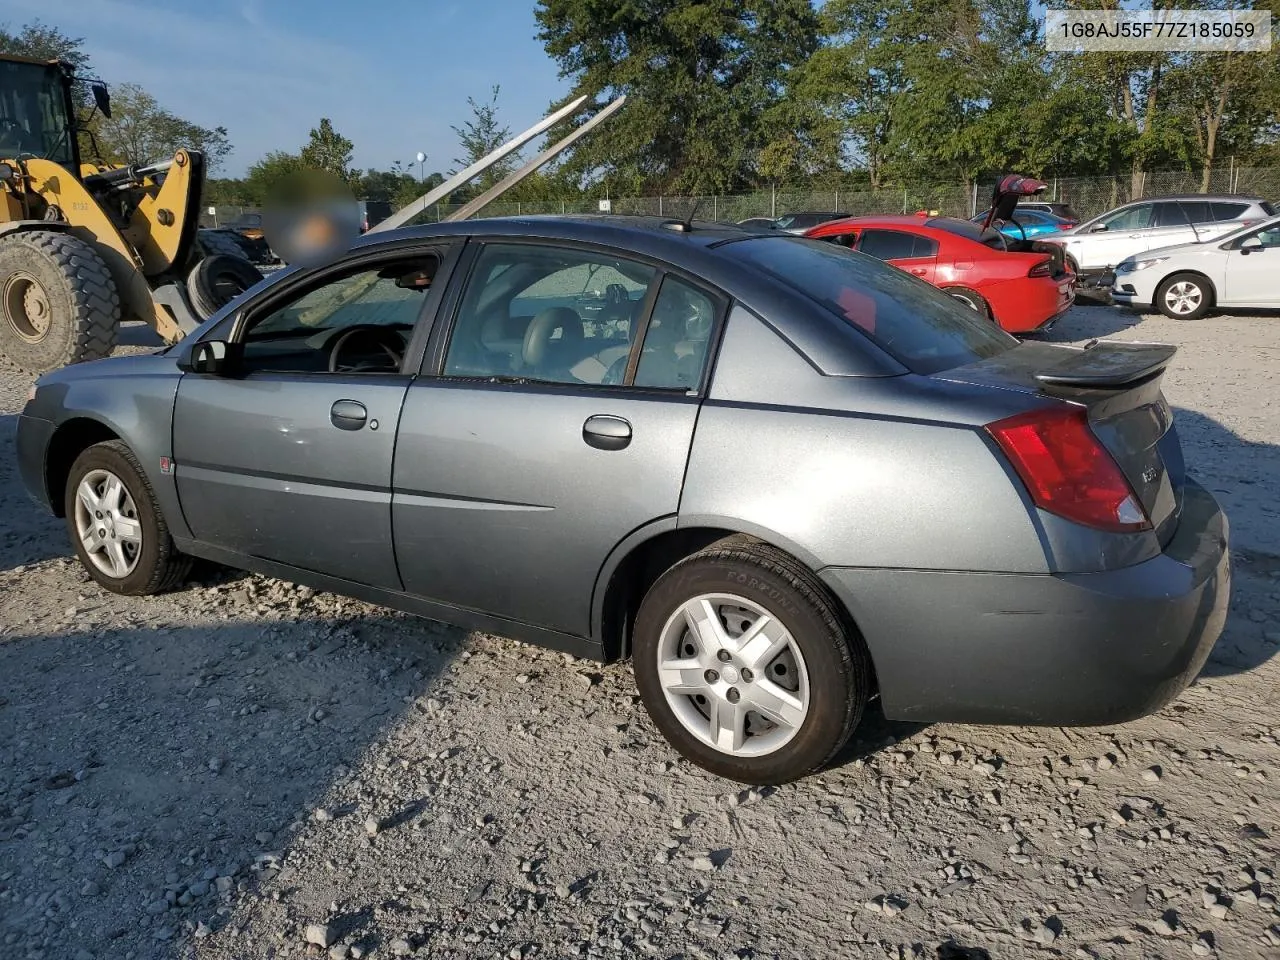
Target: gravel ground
247,769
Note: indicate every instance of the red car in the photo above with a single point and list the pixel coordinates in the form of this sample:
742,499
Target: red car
1023,286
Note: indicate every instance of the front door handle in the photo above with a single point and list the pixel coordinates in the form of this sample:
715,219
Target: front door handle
606,432
348,414
919,271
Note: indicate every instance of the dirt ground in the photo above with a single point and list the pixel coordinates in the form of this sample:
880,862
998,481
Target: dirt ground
247,769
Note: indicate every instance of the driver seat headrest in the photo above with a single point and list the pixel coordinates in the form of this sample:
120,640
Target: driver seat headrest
537,338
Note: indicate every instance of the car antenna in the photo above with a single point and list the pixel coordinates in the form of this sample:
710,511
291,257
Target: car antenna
685,225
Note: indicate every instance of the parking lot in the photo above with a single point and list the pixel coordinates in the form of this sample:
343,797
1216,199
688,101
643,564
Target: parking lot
245,769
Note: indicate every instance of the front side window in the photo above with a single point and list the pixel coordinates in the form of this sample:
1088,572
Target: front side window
923,328
360,321
1131,218
33,114
1270,237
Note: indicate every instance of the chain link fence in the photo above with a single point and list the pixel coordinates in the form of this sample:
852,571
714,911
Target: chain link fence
1088,196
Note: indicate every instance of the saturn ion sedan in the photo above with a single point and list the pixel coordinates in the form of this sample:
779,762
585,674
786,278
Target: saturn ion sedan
781,476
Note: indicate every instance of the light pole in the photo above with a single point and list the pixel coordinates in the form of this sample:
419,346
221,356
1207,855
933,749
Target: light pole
421,158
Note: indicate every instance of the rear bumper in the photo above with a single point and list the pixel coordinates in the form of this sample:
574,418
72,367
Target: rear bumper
1028,305
32,442
1059,650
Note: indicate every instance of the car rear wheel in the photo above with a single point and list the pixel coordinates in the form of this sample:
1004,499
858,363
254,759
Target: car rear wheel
116,526
971,299
747,666
1184,296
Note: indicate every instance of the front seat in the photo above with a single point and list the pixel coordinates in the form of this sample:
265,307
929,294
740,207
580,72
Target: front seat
547,356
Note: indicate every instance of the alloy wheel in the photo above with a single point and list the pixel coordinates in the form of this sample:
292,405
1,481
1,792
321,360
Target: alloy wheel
733,675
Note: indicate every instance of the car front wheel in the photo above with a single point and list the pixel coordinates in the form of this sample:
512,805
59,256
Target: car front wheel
1184,296
746,666
115,523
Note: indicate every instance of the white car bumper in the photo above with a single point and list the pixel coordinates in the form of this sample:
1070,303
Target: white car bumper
1137,289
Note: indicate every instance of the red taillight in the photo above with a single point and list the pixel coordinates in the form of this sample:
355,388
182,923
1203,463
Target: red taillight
1042,269
1067,470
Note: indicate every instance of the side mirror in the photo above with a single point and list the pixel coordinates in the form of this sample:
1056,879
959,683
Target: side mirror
1098,228
102,98
207,356
1251,245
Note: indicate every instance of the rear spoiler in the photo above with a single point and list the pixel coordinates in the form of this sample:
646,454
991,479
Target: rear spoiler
1111,365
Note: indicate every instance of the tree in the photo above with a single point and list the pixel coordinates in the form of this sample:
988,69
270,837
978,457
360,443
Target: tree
42,42
479,137
701,76
264,176
141,131
329,151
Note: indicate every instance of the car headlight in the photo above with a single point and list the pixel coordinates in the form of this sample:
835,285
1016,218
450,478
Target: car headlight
1133,266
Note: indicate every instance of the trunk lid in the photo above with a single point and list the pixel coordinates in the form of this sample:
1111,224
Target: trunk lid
1119,383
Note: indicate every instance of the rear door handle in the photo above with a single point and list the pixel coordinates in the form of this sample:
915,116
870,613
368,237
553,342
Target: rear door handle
348,414
606,432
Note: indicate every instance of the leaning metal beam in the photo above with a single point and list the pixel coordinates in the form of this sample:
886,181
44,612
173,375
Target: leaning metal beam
407,213
476,205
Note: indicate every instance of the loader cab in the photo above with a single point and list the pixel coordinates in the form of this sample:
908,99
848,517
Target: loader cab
37,111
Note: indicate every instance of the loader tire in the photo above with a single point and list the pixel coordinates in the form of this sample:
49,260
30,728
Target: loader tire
58,303
219,243
216,281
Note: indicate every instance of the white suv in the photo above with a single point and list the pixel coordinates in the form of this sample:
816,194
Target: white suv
1097,245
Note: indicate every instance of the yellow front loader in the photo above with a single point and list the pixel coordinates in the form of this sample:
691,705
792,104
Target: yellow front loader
87,246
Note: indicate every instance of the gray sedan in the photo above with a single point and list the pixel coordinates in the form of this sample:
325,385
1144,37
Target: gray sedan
781,476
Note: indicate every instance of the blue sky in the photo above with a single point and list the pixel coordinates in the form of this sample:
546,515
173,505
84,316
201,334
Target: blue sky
392,75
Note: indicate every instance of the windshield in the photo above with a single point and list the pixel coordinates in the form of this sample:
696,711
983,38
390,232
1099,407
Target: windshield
33,115
921,327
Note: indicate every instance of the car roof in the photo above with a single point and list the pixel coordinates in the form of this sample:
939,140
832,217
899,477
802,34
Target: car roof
1216,197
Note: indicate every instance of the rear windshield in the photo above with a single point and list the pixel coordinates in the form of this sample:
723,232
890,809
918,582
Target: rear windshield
1267,208
969,230
918,325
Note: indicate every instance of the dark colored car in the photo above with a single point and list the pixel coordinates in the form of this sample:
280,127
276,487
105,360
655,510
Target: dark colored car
800,222
781,476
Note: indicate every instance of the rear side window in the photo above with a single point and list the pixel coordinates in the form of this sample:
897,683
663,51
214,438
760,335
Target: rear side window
896,245
1169,215
921,327
1229,211
1198,210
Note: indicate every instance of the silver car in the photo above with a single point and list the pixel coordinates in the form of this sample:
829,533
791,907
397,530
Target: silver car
781,476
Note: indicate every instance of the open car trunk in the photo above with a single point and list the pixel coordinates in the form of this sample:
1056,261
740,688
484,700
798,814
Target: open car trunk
1008,191
1120,385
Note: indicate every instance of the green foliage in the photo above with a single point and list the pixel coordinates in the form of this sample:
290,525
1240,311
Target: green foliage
479,137
701,76
141,131
329,151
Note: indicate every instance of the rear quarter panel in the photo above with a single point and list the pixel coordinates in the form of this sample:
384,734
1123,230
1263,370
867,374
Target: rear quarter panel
852,471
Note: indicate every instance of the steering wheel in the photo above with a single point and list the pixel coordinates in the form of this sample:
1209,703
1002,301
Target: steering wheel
389,341
537,338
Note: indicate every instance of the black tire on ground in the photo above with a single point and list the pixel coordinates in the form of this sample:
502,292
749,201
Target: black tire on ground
224,242
1184,296
971,299
58,303
159,566
216,281
835,656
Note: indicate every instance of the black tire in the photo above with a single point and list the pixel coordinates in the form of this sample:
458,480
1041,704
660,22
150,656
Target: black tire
835,657
214,242
159,565
1184,290
216,281
971,299
58,303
